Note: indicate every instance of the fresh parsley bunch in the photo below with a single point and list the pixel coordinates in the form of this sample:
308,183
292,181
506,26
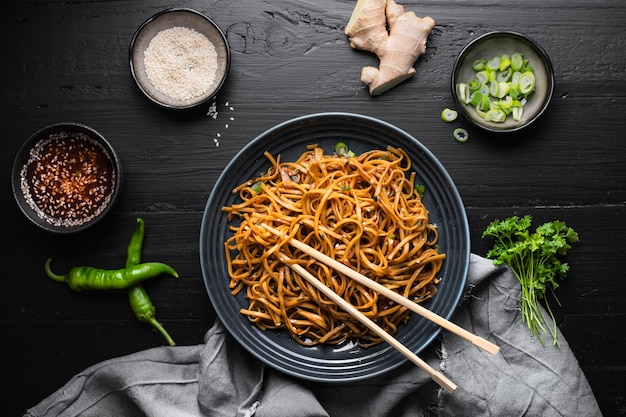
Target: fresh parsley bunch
534,259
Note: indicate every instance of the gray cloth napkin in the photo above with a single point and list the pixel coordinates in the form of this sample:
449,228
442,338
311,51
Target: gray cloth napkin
219,378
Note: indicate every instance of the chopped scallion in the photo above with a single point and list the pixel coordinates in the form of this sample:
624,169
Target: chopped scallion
474,84
517,61
479,64
494,63
482,76
463,92
500,87
527,82
460,134
257,187
505,62
475,98
504,76
342,149
449,115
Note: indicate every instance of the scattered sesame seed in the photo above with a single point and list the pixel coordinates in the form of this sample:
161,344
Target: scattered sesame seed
214,113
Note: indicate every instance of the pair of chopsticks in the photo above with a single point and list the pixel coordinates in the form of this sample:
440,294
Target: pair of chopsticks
437,376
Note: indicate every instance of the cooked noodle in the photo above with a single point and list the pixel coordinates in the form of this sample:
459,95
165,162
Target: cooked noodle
363,211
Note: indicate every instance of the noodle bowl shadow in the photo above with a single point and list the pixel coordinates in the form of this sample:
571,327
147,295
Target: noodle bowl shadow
347,361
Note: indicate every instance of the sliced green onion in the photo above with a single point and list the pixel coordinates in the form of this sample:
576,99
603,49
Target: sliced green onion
449,115
482,113
474,84
517,61
500,87
463,91
479,64
494,88
495,115
460,134
505,62
527,82
494,63
504,76
503,89
485,103
476,98
257,187
342,149
506,103
482,76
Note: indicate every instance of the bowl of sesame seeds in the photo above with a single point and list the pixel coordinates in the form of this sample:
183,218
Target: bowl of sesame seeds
66,177
179,58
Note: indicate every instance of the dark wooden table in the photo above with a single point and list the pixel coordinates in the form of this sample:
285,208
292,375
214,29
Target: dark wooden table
68,61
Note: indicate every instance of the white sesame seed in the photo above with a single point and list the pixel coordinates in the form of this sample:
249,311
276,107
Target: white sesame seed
181,63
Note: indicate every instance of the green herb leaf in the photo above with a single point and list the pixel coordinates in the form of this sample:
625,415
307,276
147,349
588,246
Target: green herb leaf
420,189
533,258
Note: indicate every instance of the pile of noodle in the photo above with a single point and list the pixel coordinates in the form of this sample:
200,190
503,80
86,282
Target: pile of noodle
363,211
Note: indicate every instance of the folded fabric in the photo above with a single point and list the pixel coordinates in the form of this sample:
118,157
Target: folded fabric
220,378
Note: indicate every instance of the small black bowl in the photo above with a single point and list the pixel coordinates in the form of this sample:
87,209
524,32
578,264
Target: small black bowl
66,177
495,44
186,20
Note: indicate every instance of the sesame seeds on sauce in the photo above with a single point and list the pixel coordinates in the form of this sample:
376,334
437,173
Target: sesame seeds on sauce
68,179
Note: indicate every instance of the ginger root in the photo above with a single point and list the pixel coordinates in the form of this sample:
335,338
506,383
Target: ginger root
397,49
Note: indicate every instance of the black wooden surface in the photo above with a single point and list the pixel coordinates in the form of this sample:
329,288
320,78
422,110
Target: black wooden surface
68,61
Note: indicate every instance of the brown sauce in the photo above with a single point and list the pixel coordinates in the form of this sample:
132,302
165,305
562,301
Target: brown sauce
68,179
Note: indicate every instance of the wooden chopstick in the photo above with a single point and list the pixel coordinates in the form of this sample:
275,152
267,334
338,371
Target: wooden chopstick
437,376
392,295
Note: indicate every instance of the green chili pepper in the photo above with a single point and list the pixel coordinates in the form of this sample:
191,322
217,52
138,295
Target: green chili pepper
138,297
145,311
81,278
133,251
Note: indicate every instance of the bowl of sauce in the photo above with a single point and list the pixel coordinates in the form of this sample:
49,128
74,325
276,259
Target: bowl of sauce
66,177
